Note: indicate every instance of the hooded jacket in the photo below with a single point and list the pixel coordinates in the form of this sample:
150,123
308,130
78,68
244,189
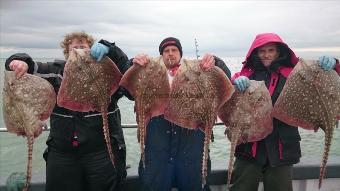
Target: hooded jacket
282,146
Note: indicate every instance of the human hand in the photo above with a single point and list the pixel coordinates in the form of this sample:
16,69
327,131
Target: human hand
207,62
99,50
19,67
327,63
141,59
242,83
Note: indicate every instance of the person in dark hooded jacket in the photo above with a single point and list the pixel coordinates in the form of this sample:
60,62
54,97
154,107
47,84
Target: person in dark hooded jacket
76,157
269,59
173,154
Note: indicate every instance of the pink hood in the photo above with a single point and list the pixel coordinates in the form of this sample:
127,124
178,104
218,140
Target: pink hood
264,38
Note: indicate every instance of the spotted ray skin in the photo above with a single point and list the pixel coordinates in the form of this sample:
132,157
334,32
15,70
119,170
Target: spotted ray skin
195,98
88,86
27,102
247,117
311,99
150,87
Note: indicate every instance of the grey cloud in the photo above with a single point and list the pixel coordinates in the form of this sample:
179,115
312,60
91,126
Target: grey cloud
226,28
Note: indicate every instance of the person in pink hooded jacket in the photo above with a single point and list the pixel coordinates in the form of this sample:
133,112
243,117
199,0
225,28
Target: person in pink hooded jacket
269,59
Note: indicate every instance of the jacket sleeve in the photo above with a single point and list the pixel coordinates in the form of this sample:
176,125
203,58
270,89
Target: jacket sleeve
123,64
23,57
220,63
236,75
245,71
51,71
337,66
37,68
117,56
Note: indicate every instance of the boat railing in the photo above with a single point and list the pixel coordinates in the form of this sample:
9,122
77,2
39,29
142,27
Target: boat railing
305,174
126,125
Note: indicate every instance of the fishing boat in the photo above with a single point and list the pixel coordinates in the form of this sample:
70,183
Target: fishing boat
305,175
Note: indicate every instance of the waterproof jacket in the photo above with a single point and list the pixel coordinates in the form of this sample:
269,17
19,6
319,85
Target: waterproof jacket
282,146
80,132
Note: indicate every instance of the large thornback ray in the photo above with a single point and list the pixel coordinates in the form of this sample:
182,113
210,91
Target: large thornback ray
195,98
247,117
311,99
88,86
150,87
27,102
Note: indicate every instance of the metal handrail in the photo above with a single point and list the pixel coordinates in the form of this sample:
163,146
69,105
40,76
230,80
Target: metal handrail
126,126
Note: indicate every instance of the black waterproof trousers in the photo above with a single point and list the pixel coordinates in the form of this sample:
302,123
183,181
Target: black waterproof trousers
85,172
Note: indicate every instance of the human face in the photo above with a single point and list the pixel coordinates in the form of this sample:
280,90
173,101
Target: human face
268,53
78,44
171,56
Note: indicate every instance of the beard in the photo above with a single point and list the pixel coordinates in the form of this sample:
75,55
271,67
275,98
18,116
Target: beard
171,62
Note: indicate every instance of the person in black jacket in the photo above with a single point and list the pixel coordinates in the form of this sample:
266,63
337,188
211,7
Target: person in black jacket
173,155
269,59
76,155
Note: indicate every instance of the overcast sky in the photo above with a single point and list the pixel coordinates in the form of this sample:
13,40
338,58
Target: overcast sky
224,28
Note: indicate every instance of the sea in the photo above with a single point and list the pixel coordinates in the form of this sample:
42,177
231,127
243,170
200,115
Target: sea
13,148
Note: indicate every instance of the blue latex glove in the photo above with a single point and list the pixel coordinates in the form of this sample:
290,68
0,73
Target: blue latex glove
98,51
242,83
327,63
